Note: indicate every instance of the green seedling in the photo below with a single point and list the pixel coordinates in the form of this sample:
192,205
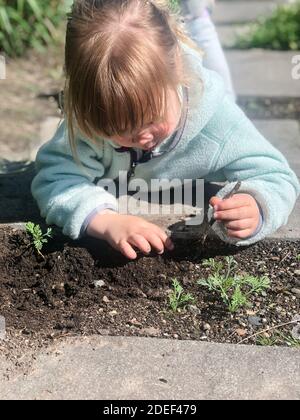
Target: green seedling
278,338
266,341
174,5
298,257
179,299
234,289
38,237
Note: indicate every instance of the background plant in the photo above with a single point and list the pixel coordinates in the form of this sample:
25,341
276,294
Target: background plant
30,24
177,297
233,289
278,338
38,237
280,31
174,5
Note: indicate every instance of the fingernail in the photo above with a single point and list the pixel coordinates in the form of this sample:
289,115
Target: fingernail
161,252
216,208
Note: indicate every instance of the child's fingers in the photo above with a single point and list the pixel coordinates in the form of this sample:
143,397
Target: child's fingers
215,201
169,244
234,214
236,201
241,234
165,238
154,241
140,242
239,224
127,250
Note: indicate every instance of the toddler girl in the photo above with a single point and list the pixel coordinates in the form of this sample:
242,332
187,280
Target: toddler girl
138,99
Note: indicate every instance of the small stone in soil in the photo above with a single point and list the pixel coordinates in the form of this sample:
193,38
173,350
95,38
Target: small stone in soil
99,283
255,320
135,322
103,332
297,281
151,331
296,292
241,332
105,299
296,332
194,309
248,312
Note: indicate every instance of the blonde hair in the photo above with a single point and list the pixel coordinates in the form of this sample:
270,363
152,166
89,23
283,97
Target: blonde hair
121,56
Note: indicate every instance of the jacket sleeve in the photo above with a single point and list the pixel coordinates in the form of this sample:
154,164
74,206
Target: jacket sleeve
64,190
247,156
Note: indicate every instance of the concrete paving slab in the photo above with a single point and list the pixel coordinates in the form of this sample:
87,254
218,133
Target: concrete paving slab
27,151
263,73
227,12
229,34
144,368
285,136
292,229
47,131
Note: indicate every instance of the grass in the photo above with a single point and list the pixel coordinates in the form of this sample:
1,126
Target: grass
30,24
38,237
174,5
35,24
278,338
178,298
234,290
280,31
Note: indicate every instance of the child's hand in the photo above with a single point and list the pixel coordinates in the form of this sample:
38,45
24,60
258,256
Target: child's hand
125,233
240,214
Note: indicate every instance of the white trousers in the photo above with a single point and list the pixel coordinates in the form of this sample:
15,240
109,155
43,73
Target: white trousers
203,32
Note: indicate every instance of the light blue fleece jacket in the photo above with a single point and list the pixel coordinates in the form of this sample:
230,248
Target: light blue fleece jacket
217,143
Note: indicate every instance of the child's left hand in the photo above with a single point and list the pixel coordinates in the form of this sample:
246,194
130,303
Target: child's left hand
240,214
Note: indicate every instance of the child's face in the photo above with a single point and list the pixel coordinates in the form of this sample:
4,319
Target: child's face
154,133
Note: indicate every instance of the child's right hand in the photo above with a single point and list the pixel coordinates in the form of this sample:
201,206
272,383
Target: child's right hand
124,233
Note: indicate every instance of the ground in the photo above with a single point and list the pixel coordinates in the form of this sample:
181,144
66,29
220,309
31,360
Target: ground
29,81
53,306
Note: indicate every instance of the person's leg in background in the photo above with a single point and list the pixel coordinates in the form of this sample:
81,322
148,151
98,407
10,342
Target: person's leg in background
202,30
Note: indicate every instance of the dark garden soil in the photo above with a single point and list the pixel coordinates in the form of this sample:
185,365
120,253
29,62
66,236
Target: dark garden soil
84,288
